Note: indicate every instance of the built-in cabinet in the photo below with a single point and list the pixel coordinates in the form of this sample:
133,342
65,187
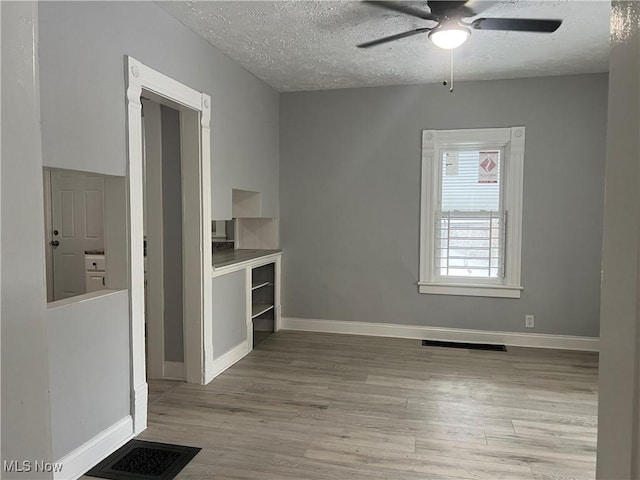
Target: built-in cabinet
95,271
246,282
246,307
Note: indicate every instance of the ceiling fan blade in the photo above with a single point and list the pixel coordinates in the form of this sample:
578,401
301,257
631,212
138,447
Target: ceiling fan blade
442,8
517,24
398,7
391,38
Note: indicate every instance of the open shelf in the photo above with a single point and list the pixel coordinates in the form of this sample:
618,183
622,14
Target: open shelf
263,301
245,203
259,309
259,284
257,233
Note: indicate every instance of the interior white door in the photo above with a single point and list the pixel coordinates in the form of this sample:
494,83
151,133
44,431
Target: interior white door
77,225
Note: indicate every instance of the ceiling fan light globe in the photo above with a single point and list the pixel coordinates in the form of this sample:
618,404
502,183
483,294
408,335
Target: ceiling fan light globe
449,38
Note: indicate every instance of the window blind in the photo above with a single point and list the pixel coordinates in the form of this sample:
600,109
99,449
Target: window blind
470,225
460,183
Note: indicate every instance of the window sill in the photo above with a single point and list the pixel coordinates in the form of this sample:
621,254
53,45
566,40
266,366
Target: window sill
470,289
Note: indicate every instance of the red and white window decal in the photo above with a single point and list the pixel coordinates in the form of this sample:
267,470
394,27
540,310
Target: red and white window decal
488,167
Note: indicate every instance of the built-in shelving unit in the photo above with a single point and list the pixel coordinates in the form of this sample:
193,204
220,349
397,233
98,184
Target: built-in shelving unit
246,296
262,301
252,229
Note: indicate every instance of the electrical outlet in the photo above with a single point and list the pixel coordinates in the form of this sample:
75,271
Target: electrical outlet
529,321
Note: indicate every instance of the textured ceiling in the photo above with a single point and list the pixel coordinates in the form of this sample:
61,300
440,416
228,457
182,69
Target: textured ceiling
310,45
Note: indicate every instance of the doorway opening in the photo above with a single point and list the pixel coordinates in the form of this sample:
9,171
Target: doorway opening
163,243
169,205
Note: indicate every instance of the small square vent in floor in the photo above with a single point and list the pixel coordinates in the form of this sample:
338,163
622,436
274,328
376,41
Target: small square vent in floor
470,346
141,460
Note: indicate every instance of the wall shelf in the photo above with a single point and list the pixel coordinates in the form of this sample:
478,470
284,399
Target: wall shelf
252,229
260,284
257,233
245,203
259,309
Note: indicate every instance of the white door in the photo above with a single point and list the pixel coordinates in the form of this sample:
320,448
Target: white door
77,225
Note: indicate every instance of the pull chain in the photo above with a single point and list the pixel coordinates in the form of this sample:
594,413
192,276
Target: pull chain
450,82
451,69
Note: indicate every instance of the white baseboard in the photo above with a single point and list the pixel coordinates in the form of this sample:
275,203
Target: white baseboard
223,362
515,339
76,463
141,402
174,371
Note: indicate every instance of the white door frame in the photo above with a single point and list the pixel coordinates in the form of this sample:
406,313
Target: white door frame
48,234
198,326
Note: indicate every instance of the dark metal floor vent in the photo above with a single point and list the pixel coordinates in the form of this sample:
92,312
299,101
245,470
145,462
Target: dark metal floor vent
142,460
470,346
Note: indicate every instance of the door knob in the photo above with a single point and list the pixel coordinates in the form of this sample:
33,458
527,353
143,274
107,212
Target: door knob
54,243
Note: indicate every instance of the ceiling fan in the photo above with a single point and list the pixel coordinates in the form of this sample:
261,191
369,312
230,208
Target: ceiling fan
451,30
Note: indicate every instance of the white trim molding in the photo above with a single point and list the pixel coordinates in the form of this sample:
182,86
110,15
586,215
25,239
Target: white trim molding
419,332
227,359
135,247
470,290
140,403
434,142
76,463
206,254
140,77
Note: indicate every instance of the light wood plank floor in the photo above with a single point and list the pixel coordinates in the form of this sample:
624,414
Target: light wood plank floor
320,406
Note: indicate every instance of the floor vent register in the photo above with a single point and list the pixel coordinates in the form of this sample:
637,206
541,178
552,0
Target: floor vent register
470,346
141,460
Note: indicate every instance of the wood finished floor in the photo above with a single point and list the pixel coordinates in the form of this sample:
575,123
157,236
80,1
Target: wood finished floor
321,406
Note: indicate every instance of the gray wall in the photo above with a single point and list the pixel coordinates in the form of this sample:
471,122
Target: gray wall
618,408
229,312
82,51
172,235
350,186
26,430
89,369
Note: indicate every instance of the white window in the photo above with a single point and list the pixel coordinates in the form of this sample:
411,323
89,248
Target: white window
471,212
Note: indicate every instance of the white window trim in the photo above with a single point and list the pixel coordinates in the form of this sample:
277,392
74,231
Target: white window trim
512,139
